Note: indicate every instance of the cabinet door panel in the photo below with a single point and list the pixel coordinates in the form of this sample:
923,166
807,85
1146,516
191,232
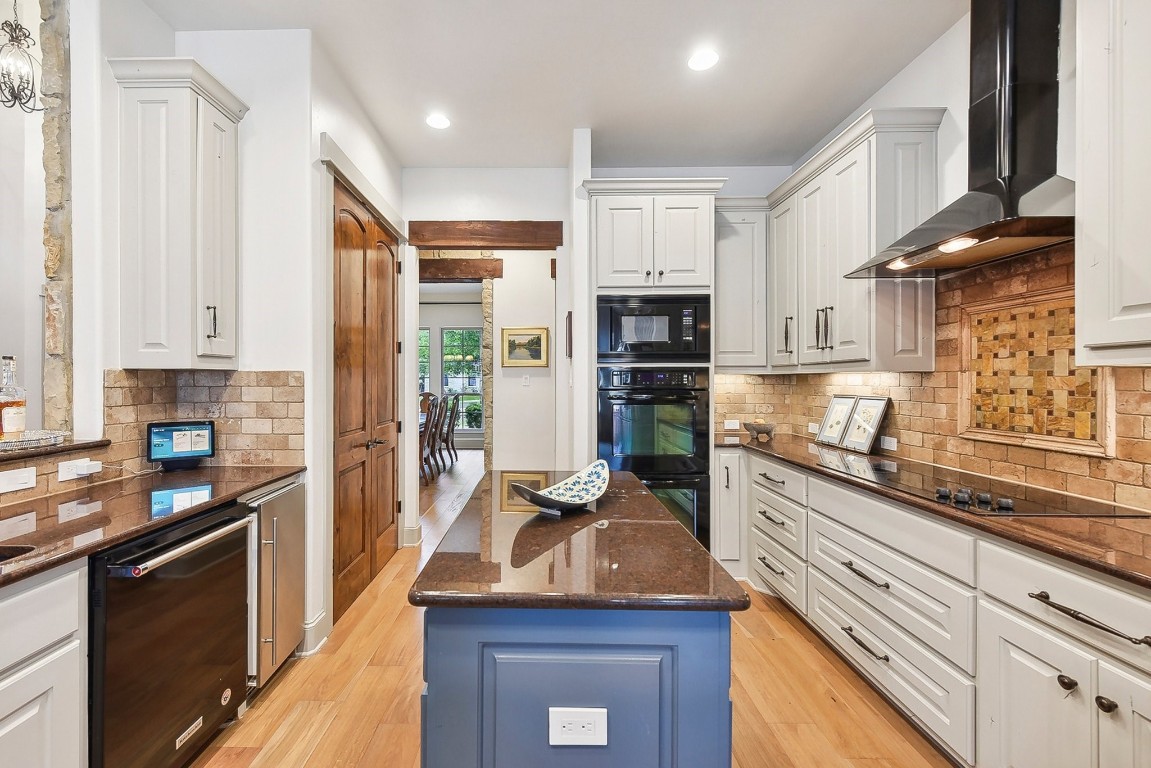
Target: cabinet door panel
683,241
216,246
740,306
1027,719
849,237
782,255
812,211
1113,273
41,712
623,241
728,523
1125,733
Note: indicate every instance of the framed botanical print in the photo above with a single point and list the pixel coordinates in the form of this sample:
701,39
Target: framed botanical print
835,420
863,425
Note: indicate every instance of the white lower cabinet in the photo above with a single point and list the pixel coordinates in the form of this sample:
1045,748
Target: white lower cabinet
43,670
1124,704
935,694
729,517
1034,694
774,568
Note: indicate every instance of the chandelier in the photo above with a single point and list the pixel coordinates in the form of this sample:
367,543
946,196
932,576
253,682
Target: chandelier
17,67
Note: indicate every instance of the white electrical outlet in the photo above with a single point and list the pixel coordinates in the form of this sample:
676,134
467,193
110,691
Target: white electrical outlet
17,479
731,424
70,470
888,443
572,726
526,381
813,428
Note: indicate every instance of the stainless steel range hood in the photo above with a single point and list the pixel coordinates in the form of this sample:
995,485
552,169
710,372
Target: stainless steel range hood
1017,202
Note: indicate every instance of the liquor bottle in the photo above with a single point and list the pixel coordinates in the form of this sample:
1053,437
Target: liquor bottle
13,401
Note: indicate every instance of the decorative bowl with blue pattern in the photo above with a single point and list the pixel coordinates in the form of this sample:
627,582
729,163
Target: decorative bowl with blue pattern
575,492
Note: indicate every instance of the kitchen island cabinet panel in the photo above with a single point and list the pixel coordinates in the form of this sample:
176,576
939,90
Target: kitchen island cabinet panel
654,671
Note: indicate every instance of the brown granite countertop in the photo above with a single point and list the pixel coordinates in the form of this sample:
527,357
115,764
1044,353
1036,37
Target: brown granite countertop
625,552
71,525
1090,535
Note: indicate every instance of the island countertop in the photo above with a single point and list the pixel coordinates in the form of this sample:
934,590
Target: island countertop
625,552
73,524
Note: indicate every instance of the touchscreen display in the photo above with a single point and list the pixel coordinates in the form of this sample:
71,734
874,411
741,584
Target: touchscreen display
174,500
181,440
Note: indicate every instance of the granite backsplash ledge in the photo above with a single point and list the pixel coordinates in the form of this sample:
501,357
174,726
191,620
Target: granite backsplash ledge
259,419
925,415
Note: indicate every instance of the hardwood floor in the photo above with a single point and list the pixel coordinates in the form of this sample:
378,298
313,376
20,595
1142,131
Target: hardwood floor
356,702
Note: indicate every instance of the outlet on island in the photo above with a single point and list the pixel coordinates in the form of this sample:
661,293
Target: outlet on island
577,726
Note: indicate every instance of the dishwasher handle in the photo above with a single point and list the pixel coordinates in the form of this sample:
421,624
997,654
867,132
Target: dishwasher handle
136,571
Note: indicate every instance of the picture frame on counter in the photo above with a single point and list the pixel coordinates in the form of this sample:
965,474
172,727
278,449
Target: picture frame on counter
863,425
512,502
835,420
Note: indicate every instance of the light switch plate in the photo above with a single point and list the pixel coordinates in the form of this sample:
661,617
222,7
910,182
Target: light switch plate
17,479
731,424
888,443
813,428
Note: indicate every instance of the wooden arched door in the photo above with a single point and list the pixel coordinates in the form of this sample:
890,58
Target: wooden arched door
365,534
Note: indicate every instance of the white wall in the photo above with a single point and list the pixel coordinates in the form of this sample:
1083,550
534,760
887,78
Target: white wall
938,77
438,312
525,296
742,181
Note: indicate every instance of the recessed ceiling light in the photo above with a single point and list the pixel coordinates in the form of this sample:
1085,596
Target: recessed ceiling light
704,58
438,120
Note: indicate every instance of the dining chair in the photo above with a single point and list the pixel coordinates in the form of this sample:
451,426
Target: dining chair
434,428
427,470
448,434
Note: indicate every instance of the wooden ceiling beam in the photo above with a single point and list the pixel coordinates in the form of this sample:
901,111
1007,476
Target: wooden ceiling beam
460,270
486,235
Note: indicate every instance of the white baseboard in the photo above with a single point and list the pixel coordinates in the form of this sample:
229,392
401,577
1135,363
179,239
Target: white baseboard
412,536
316,634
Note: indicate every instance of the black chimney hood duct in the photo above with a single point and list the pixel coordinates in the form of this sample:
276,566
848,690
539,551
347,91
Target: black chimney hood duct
1017,203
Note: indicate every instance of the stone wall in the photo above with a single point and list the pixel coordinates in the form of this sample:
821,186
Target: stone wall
924,413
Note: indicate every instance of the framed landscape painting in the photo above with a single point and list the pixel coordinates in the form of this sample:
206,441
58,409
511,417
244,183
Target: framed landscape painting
510,501
524,347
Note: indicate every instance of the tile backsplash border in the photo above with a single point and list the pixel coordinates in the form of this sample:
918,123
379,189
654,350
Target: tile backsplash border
259,419
924,412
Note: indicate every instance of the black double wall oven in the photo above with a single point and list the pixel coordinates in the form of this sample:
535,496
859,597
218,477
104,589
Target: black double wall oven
653,414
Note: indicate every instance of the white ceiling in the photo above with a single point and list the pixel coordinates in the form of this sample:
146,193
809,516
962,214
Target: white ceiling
516,76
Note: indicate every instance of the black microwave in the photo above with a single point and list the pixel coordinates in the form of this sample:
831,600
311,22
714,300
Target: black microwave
653,329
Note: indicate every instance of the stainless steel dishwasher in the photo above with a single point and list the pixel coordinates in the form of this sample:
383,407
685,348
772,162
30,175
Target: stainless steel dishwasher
276,577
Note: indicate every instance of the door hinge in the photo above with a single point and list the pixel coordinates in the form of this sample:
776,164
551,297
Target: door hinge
399,427
399,347
399,267
399,507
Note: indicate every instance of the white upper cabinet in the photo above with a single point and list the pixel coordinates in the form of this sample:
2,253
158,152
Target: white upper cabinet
857,195
739,332
653,234
179,251
1113,163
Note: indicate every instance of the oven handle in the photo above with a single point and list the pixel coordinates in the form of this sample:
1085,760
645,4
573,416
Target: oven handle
689,483
136,571
655,398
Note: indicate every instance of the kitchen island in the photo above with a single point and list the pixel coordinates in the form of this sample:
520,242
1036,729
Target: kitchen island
616,608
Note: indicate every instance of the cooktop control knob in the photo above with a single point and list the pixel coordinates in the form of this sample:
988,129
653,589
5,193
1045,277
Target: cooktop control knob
1005,504
942,493
963,496
966,491
983,498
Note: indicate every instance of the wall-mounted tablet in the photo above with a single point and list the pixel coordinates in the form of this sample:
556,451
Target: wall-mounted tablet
181,444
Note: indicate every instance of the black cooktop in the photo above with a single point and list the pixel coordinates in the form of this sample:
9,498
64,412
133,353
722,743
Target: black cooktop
967,492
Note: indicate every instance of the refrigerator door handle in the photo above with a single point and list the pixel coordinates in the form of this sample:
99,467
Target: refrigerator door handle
275,578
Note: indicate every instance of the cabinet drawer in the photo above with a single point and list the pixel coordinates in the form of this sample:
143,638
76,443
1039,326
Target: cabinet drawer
935,694
779,478
933,608
782,520
942,547
1011,577
38,612
782,572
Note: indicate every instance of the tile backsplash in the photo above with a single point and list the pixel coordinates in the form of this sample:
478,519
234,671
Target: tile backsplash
259,419
924,414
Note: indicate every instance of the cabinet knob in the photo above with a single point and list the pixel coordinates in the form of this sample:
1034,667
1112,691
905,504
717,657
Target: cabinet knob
647,274
1067,683
1106,704
661,273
